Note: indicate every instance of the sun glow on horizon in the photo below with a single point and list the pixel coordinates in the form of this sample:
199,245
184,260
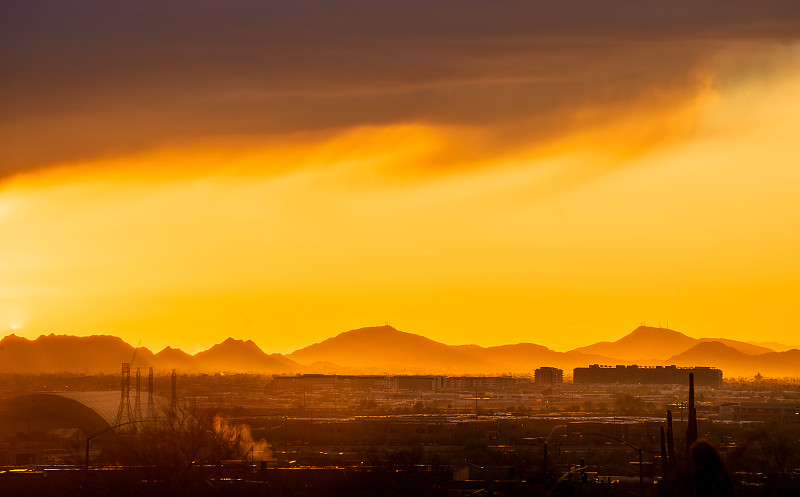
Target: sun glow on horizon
679,206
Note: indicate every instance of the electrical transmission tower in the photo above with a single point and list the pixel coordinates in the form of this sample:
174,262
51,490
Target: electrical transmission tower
124,413
138,403
151,409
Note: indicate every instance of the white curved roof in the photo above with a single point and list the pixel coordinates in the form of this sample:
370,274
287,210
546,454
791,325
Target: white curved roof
90,411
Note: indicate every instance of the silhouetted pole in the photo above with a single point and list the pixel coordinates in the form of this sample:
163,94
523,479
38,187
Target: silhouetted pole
90,437
174,390
264,476
286,441
691,426
637,449
137,410
86,473
641,477
151,412
664,461
670,439
545,463
546,441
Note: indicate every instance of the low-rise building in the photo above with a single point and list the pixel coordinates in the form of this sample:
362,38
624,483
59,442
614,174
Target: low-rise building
760,411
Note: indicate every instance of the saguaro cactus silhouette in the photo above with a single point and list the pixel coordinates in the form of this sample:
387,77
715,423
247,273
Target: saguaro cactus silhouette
664,460
670,439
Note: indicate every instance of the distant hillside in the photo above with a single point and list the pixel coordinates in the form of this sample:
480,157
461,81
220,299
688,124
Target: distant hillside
59,353
778,364
525,357
102,353
734,363
746,347
242,357
649,345
643,343
387,348
170,358
775,346
731,361
384,348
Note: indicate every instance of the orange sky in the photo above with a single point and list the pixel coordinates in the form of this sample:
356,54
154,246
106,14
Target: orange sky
456,193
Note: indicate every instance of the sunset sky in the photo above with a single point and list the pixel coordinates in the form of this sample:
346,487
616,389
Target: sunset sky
555,172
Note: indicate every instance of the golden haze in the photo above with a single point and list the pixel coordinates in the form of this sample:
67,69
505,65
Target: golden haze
680,208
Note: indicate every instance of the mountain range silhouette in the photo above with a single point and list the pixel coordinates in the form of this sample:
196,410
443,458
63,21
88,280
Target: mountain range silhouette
384,349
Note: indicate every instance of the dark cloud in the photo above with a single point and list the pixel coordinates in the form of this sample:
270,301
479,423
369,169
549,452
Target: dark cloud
87,78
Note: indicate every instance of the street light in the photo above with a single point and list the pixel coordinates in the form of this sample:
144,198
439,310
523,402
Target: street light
105,430
547,440
623,442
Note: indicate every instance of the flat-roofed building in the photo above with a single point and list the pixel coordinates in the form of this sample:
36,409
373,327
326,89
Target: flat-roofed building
548,376
647,375
761,411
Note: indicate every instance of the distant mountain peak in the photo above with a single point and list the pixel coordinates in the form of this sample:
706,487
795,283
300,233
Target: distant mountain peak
651,331
242,356
52,353
237,344
386,329
713,346
710,353
642,344
231,340
171,350
372,334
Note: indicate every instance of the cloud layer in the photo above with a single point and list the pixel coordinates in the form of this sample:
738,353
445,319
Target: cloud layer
88,79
